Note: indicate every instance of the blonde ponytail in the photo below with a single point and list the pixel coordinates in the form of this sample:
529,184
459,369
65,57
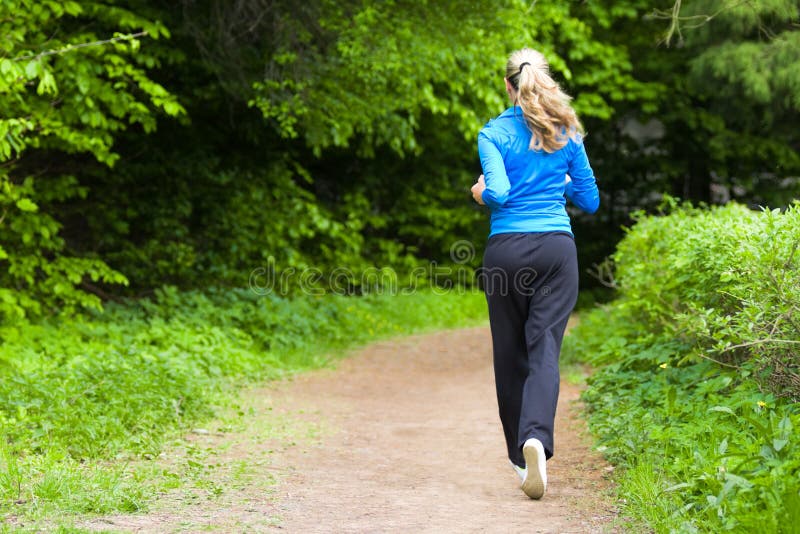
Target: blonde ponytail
545,107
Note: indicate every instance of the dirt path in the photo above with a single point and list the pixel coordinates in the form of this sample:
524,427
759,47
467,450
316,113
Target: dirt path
402,437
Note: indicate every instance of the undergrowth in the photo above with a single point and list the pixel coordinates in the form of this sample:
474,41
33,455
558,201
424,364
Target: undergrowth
694,397
81,397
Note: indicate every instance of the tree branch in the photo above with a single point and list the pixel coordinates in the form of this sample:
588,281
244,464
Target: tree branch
72,48
760,342
91,288
674,16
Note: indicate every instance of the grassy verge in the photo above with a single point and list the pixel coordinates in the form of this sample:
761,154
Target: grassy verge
695,393
85,399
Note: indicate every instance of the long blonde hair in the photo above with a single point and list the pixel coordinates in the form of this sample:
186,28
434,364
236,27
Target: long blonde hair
545,107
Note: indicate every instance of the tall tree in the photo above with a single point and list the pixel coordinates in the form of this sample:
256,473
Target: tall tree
732,115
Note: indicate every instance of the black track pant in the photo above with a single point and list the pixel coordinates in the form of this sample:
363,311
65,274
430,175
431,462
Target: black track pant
531,285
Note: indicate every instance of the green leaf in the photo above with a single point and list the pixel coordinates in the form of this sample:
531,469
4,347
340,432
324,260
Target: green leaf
47,84
26,204
779,444
677,487
33,69
723,409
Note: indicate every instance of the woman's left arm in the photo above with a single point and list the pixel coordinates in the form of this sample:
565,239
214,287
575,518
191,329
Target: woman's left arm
494,171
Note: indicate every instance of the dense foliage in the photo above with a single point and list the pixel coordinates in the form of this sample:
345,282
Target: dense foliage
56,99
696,392
357,133
189,143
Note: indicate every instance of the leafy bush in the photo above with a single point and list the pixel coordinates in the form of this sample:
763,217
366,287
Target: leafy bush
696,392
58,95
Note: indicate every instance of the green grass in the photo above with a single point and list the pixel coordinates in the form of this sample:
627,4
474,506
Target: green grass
86,402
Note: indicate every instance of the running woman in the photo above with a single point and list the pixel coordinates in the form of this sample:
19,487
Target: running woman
532,155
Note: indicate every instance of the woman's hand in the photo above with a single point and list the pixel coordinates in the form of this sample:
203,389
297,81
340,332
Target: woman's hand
477,190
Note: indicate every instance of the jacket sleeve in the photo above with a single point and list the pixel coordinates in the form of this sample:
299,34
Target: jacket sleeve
582,190
494,172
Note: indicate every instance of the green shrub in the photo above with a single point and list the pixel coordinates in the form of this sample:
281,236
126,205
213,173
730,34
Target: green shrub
698,375
725,281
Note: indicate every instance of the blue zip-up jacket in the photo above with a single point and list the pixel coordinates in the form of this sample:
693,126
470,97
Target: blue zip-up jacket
525,188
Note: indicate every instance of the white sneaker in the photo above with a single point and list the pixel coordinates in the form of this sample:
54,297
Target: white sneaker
521,471
535,481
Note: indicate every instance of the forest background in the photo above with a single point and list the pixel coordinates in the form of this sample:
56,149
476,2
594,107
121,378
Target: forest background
192,143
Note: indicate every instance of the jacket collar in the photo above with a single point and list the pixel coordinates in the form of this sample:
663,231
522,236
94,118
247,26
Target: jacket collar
513,111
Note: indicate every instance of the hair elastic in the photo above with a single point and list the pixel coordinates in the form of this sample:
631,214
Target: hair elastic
521,66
